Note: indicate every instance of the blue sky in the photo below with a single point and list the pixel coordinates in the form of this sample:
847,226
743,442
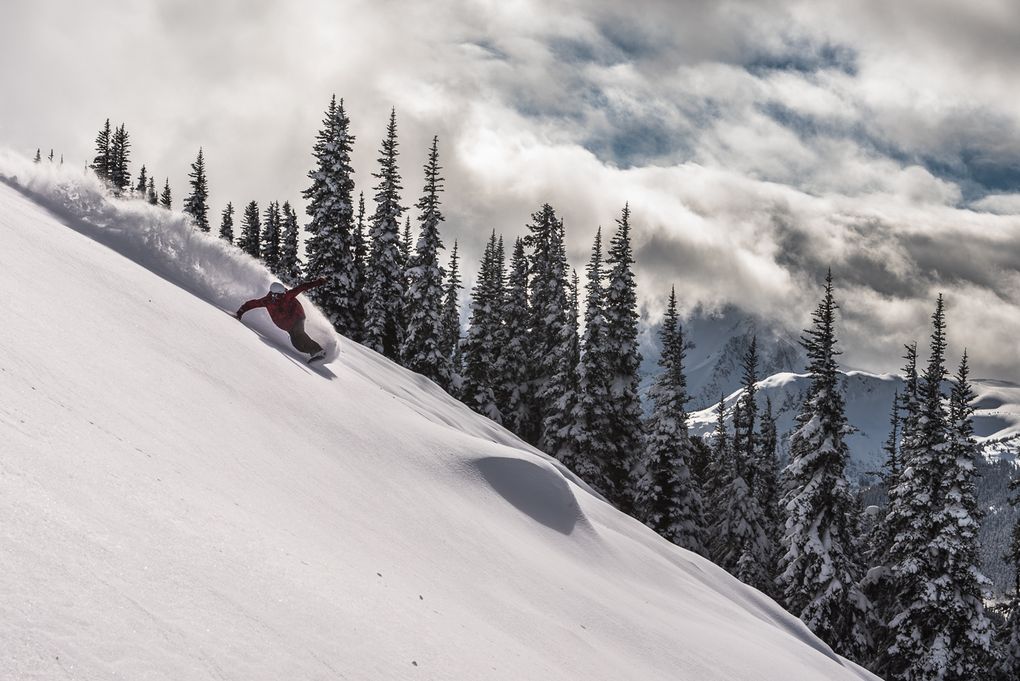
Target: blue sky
758,143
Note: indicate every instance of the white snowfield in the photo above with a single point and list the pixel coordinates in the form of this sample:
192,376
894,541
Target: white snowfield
182,497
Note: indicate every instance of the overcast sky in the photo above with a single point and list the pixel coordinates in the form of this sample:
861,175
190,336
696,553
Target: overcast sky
757,142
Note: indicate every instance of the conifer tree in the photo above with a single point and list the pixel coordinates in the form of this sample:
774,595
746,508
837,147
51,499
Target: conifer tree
251,231
451,323
329,247
101,162
406,246
271,227
151,196
623,360
227,224
481,347
742,542
384,332
143,183
667,497
594,419
38,155
1008,664
892,444
818,570
720,470
938,629
767,482
166,199
51,156
290,266
513,395
196,204
120,145
423,346
559,426
359,248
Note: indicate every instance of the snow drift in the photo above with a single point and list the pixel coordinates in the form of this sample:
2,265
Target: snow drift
181,498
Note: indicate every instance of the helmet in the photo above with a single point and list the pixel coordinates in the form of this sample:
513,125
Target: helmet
277,287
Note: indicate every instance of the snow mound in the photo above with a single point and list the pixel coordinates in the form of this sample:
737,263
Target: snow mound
182,499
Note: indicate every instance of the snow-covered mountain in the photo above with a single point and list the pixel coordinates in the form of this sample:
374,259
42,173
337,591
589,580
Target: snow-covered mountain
718,341
869,399
181,497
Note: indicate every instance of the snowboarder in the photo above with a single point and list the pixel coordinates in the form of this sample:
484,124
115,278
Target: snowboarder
287,313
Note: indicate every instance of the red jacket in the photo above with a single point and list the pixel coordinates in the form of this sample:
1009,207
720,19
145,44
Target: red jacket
284,309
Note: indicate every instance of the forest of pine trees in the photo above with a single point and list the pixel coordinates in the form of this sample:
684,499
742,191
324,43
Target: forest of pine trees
897,589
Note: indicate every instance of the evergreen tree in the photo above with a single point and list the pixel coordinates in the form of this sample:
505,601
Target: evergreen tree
196,204
359,248
767,482
559,426
623,360
101,162
594,419
451,323
549,316
51,156
406,246
165,199
892,445
120,145
385,284
742,543
290,266
329,247
720,469
143,183
227,224
423,347
939,629
251,231
151,196
271,227
513,395
481,347
1008,664
667,497
966,637
819,571
38,155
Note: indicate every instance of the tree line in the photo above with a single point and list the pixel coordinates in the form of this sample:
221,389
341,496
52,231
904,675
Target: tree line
897,589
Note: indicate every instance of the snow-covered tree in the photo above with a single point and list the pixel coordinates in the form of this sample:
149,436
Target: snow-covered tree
151,195
359,249
329,247
120,145
819,571
197,203
384,312
741,543
251,231
227,223
166,199
290,266
513,394
451,323
143,183
938,628
548,314
38,155
423,346
1008,664
667,497
482,345
272,224
623,359
593,418
101,162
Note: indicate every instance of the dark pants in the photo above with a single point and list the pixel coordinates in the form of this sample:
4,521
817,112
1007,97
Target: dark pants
302,342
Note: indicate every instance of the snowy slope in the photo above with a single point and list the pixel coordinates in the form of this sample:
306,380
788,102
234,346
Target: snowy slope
182,498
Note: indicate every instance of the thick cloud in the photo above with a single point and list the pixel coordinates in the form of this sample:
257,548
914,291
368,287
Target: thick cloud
758,143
